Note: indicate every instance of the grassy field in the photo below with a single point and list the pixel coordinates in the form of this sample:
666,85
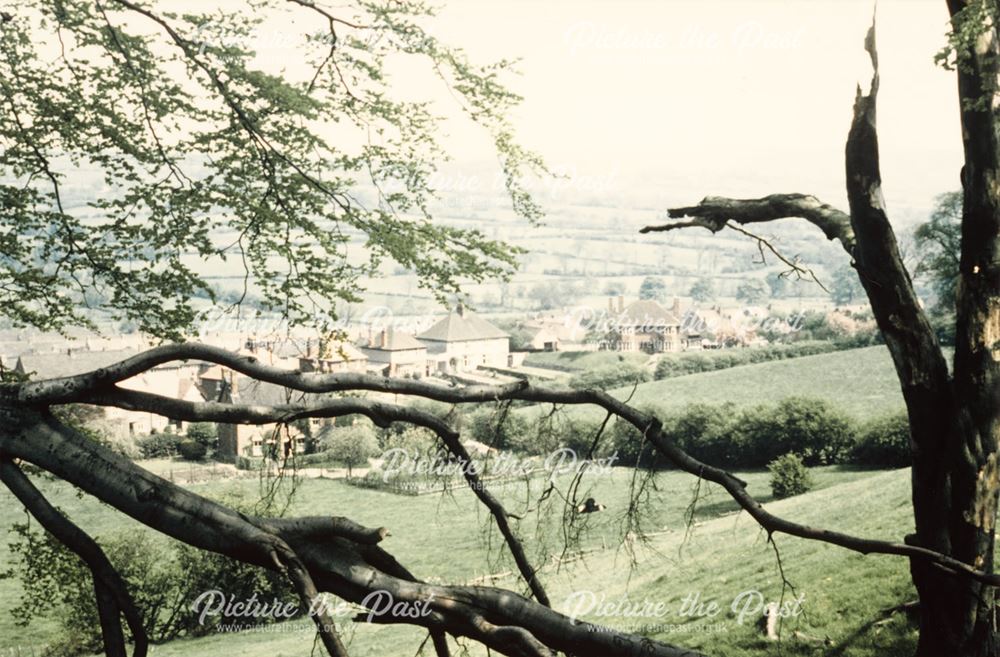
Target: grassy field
861,382
441,538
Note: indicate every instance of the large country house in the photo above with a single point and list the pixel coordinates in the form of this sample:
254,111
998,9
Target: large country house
645,326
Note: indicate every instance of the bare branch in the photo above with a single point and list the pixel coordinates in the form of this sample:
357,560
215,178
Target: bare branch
714,212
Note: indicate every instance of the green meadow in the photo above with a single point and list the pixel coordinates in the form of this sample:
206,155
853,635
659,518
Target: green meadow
687,542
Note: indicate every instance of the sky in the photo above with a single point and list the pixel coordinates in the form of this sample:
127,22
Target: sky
659,102
671,100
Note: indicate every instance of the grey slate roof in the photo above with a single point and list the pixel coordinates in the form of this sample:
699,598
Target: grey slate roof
49,366
647,314
459,327
395,341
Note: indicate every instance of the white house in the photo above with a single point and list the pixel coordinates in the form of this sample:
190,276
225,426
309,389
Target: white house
465,341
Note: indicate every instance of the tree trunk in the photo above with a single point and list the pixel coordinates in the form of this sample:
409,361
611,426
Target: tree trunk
956,484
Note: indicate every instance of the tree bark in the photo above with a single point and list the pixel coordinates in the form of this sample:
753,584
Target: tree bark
956,484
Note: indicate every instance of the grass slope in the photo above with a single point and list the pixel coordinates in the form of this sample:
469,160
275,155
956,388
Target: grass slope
861,382
441,538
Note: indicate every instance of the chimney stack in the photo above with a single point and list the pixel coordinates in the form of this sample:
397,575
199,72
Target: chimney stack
611,305
621,303
384,339
676,307
460,309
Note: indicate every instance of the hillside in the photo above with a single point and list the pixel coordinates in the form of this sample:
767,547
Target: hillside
724,555
861,382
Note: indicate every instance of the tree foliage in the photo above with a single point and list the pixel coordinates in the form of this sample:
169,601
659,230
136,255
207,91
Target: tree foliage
139,146
940,242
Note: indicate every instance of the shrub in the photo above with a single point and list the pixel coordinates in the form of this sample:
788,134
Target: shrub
706,432
501,428
632,448
204,433
811,428
789,476
351,445
163,581
615,376
692,362
884,443
551,432
157,445
191,450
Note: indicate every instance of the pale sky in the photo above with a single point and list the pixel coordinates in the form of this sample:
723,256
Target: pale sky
675,99
666,101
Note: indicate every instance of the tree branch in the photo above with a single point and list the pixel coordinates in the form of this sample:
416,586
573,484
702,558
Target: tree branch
110,589
489,615
715,211
382,413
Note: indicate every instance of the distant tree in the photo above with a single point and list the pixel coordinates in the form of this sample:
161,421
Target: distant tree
614,288
845,288
653,288
702,290
751,292
778,284
939,243
351,445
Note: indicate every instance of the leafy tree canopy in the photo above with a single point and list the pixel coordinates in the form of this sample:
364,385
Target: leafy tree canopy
940,243
192,149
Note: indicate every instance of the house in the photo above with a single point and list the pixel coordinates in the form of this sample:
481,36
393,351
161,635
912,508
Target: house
396,353
255,441
541,337
333,356
175,379
465,341
644,325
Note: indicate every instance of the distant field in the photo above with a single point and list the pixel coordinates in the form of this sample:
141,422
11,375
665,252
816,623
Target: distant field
861,382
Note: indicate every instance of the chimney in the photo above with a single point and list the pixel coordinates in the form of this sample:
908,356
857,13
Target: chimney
309,348
611,305
676,307
384,339
621,303
460,309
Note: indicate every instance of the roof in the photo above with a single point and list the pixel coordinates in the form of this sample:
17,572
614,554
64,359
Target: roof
649,314
259,393
49,366
341,352
394,341
461,326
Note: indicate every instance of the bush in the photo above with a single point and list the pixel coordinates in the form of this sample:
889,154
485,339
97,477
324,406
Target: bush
551,432
351,445
632,448
164,579
191,450
615,376
811,428
884,443
204,433
789,476
692,362
157,445
501,428
706,432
